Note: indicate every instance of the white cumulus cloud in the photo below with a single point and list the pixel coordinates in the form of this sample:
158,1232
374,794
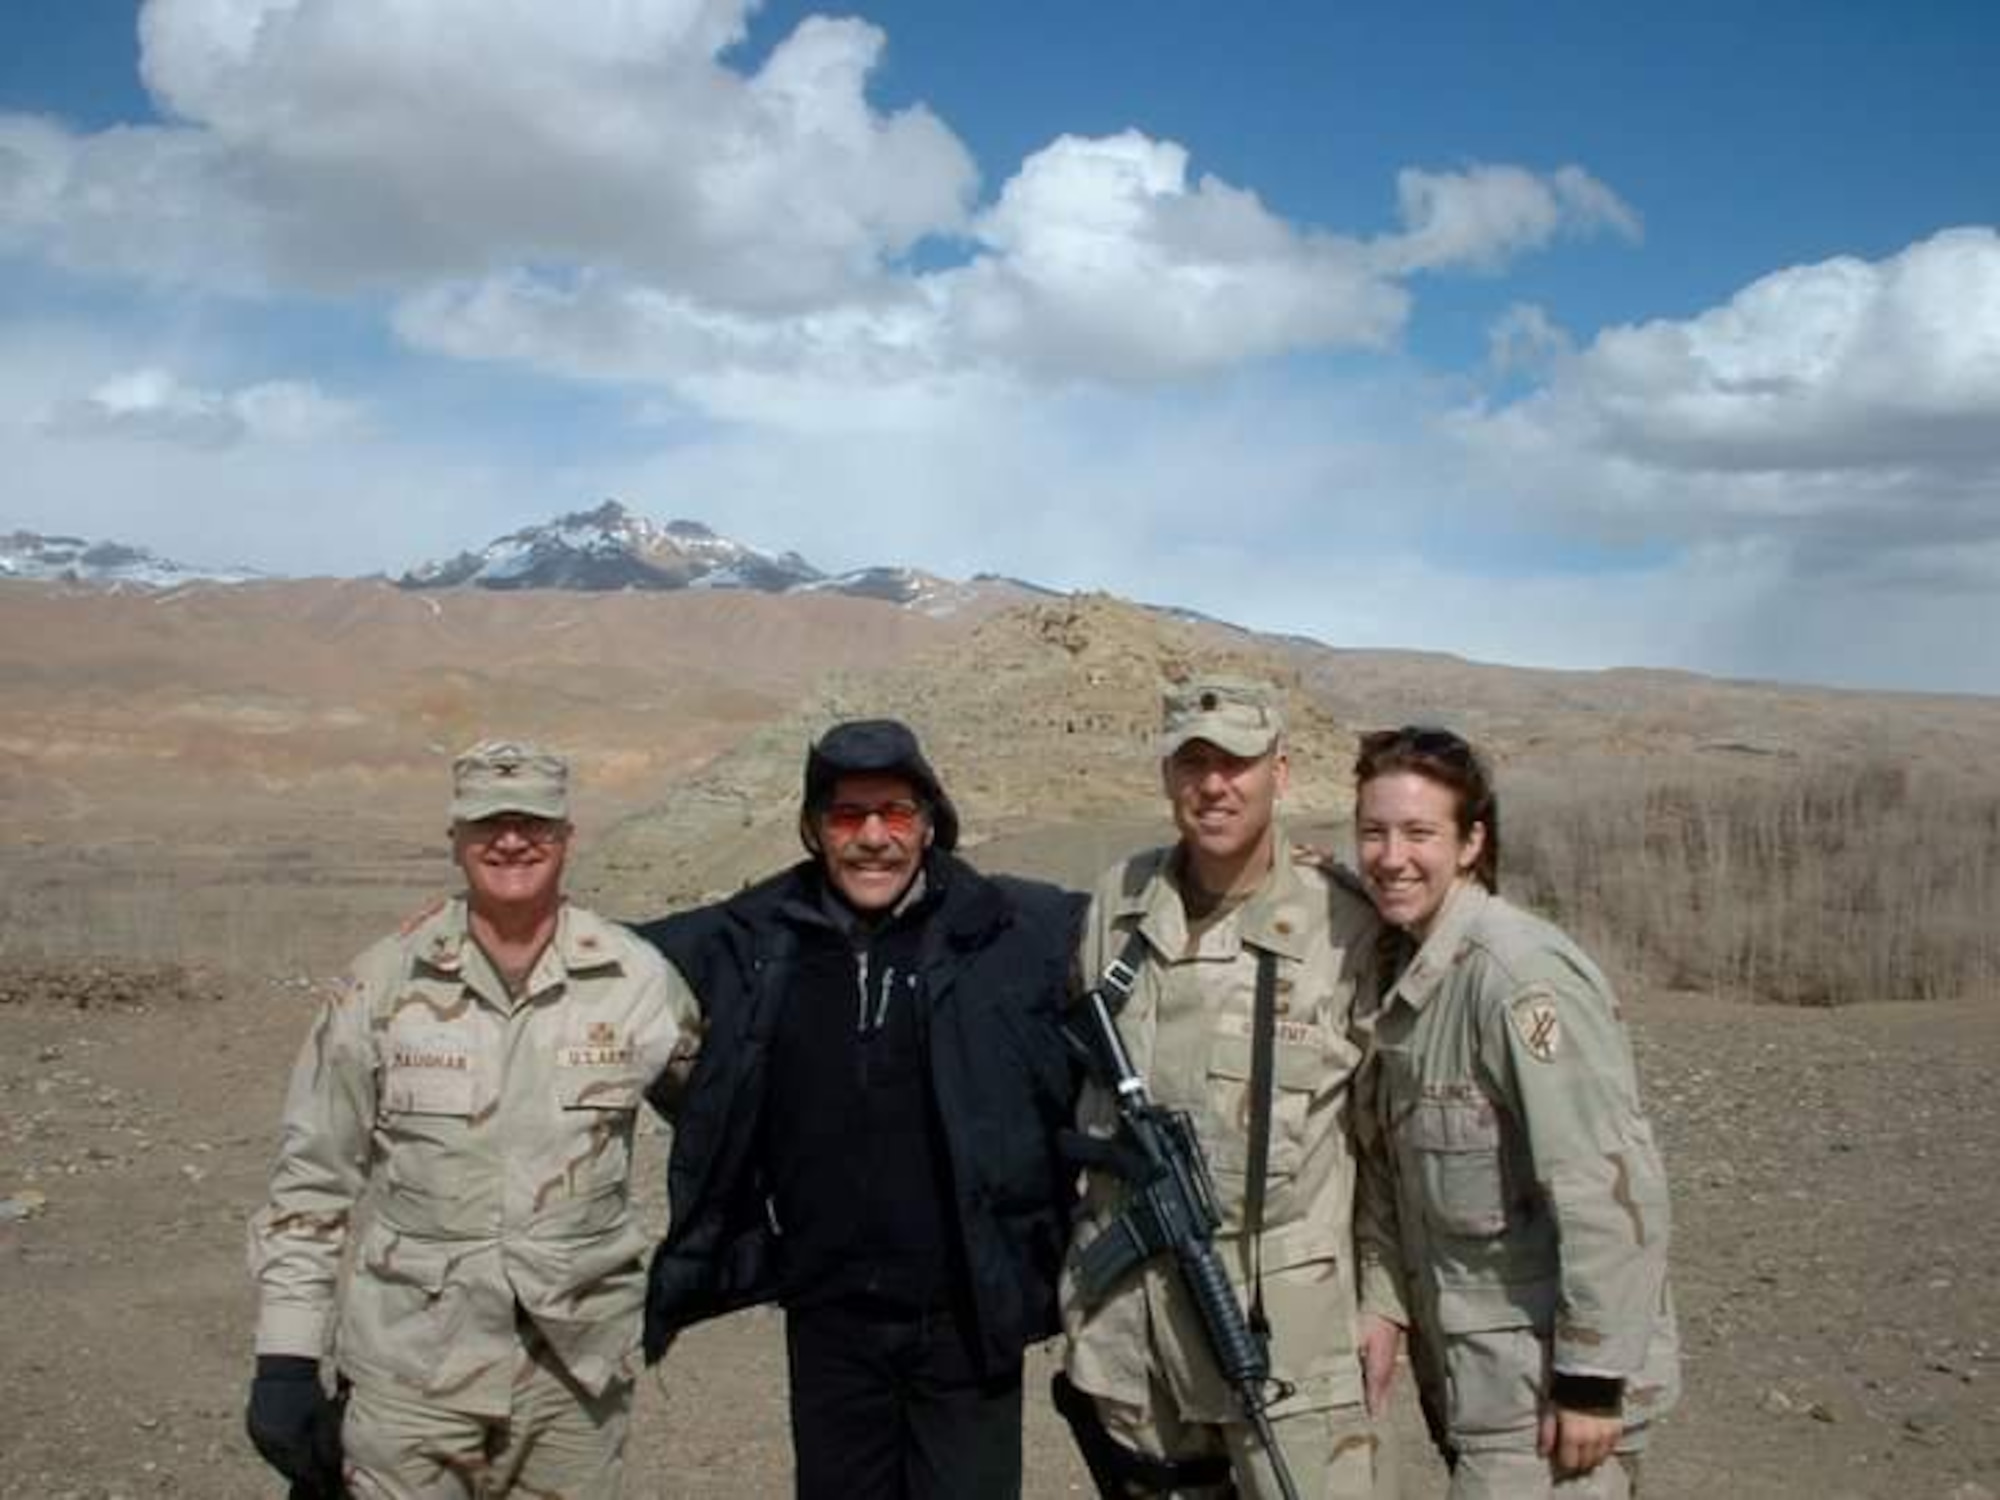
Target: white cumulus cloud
609,189
150,202
1100,260
1105,259
342,143
1850,407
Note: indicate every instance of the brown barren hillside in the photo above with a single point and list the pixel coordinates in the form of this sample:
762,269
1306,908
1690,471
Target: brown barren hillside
1042,717
1549,718
354,691
256,772
199,767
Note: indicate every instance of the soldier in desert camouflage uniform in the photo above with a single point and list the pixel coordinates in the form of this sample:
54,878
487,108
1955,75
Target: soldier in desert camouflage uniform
462,1113
1207,907
1514,1176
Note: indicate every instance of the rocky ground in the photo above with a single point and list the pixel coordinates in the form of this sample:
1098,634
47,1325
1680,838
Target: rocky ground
254,777
1833,1254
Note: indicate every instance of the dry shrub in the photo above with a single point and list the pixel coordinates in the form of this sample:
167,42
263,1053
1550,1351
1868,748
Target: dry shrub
1814,885
95,985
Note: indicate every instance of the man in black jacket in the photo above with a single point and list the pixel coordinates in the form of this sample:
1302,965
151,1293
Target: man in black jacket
870,1134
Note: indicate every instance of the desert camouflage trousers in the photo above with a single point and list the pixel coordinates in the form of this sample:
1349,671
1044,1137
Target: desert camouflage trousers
1497,1404
557,1442
1334,1452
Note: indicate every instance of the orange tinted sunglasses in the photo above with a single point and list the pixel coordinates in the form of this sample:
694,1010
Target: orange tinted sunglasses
844,820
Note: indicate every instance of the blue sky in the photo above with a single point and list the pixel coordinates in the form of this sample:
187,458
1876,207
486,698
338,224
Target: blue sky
1564,334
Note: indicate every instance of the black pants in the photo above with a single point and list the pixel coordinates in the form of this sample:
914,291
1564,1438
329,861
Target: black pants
891,1407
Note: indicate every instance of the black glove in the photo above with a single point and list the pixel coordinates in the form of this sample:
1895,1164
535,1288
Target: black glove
294,1423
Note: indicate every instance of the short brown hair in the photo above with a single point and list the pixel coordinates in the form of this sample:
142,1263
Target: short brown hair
1448,759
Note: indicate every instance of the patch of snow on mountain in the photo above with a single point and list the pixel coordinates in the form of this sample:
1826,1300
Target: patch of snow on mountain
72,559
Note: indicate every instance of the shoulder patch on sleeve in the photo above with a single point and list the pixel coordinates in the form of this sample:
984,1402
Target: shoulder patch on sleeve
1535,1018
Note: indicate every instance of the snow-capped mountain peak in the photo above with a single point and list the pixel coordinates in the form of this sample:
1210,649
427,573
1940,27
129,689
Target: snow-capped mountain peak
613,547
610,547
74,559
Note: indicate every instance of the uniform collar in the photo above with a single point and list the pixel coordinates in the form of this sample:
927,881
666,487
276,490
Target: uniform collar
583,941
1276,916
443,937
1434,957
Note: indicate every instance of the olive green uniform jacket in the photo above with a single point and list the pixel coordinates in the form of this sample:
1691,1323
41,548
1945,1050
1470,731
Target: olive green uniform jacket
1511,1172
1188,1029
476,1151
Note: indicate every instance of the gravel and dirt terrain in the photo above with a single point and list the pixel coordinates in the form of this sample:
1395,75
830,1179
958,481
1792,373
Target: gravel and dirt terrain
214,799
1839,1293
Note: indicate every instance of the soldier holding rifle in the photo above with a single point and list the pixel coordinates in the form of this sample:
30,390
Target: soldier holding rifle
1241,970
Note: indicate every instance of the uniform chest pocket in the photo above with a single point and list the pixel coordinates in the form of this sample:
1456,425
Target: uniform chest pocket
1456,1145
597,1088
588,1159
597,1067
427,1071
426,1091
1307,1064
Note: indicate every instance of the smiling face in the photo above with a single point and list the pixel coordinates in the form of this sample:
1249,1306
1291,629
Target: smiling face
1223,805
512,863
1411,851
870,837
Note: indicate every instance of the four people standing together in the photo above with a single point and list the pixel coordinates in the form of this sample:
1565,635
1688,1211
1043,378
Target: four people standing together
1416,1104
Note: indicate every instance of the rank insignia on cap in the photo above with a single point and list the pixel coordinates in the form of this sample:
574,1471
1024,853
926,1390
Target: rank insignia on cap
1541,1031
1237,714
503,776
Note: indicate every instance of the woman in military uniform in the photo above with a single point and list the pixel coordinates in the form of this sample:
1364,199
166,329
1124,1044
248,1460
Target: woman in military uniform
1508,1168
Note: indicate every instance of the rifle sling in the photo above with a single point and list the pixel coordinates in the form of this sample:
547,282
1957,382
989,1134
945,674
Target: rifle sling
1263,1039
1122,973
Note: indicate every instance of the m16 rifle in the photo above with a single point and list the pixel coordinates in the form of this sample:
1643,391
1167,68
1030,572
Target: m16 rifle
1171,1210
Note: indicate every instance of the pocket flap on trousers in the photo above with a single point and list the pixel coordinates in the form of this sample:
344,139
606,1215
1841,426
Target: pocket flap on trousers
1472,1308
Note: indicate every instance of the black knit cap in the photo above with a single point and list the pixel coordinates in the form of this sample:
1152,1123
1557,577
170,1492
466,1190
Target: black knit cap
862,747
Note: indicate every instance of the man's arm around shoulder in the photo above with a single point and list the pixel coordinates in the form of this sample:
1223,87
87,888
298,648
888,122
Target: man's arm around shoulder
1053,910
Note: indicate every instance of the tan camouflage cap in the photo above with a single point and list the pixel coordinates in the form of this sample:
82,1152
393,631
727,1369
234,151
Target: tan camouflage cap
1239,714
509,776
